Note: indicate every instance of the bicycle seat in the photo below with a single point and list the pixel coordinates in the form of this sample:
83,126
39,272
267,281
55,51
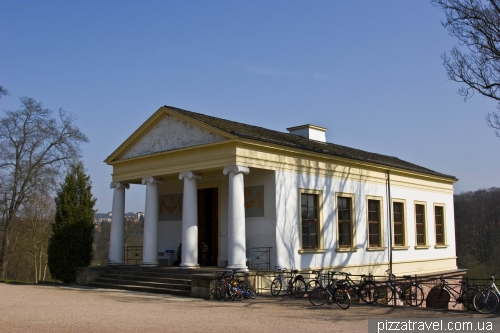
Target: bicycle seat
295,271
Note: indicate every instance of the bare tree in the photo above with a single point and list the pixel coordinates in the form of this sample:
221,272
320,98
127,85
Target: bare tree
476,61
3,91
34,148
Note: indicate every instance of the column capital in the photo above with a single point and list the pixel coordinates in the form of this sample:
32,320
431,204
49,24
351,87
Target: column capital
189,175
119,185
236,169
150,180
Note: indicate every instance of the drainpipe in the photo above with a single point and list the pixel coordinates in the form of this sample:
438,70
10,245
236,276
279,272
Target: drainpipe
390,218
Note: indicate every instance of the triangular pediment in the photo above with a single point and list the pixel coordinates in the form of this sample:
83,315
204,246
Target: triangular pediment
166,131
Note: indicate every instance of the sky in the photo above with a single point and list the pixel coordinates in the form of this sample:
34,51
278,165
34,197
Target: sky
369,71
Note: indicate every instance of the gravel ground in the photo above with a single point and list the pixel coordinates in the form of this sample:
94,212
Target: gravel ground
66,308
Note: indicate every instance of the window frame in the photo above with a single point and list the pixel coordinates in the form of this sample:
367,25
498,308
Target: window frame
354,245
381,228
320,222
425,244
445,241
404,246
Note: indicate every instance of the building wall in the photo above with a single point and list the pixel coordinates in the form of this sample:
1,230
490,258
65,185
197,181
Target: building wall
410,260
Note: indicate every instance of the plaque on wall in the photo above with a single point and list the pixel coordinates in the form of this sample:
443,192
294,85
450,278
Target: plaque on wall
170,207
254,201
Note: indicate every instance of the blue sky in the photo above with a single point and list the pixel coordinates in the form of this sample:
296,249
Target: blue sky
369,71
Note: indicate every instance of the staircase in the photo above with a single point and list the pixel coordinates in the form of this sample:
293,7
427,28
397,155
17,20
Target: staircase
159,280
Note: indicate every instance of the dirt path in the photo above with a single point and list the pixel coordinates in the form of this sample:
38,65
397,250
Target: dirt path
55,309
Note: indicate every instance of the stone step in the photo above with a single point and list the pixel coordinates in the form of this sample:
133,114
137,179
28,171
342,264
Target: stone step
149,274
148,278
147,289
150,284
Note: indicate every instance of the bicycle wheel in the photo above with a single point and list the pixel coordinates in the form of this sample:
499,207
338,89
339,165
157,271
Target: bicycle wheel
367,291
251,294
275,287
225,291
485,301
238,293
342,298
414,295
438,298
299,288
311,285
383,294
319,296
467,298
218,291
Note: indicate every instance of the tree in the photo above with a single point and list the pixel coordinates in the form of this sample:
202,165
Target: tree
3,91
34,149
70,245
476,61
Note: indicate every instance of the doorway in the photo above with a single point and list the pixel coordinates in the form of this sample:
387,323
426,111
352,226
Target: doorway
208,224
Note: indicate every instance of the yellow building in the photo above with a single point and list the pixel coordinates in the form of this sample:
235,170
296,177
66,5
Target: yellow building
313,204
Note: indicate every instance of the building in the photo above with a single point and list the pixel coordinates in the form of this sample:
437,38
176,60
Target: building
315,204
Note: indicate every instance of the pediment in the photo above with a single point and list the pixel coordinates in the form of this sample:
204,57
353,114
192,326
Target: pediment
171,133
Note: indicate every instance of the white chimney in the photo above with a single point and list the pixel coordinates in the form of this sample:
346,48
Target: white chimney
309,131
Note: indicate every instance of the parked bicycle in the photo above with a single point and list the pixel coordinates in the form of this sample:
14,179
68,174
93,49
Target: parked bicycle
486,300
315,282
292,283
409,291
439,297
335,291
364,289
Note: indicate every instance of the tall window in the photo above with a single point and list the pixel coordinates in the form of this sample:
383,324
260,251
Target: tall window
374,223
399,228
309,211
344,221
420,224
439,221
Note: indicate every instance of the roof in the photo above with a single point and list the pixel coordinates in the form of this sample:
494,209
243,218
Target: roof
256,133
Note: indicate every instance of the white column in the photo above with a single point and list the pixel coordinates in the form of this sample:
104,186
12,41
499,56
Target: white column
236,218
116,239
150,243
189,257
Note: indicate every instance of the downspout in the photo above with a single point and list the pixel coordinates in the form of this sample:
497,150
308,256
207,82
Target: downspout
390,218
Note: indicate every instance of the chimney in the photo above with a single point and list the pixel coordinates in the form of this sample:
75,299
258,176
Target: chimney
309,131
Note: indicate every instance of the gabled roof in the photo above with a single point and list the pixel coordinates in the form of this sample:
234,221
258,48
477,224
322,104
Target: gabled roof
294,141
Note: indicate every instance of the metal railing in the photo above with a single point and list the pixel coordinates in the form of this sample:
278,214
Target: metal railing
260,257
132,255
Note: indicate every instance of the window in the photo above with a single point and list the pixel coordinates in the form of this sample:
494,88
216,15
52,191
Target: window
309,221
439,221
374,223
344,221
399,224
420,223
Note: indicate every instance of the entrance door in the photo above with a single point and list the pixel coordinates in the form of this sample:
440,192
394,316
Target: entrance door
208,224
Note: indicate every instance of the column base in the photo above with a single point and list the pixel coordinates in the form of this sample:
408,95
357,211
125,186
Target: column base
115,263
238,268
189,266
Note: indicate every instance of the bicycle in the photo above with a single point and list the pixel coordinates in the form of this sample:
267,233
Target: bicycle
314,283
364,290
294,283
410,292
439,296
227,287
336,290
486,300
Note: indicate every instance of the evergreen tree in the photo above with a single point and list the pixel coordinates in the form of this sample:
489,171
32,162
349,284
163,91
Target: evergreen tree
71,243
